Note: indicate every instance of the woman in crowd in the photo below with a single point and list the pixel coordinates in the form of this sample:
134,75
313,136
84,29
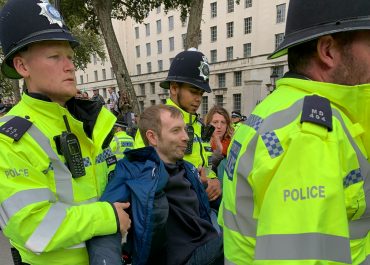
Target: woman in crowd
220,119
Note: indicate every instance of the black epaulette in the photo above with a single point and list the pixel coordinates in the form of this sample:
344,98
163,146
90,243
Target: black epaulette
317,110
15,128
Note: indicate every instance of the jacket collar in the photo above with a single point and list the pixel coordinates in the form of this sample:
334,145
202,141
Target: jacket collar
188,117
354,101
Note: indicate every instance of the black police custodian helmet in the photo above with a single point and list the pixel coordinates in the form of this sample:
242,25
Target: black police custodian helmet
189,67
23,22
310,19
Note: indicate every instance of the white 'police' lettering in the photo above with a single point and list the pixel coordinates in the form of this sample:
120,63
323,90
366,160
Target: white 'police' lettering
313,192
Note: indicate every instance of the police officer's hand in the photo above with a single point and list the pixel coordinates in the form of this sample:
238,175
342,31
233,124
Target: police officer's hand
214,189
124,218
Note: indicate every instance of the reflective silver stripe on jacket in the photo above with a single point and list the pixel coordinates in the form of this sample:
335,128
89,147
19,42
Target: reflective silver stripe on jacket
228,262
366,261
117,152
43,234
47,228
359,228
309,246
23,198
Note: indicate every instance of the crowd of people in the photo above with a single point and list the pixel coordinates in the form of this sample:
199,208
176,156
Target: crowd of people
84,181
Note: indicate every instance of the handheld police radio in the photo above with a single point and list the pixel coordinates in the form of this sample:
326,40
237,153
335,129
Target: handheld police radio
70,149
207,131
190,131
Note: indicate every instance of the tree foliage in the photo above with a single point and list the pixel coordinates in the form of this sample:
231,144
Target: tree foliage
96,16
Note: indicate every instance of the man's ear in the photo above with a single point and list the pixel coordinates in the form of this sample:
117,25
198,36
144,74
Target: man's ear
174,87
328,51
19,66
152,137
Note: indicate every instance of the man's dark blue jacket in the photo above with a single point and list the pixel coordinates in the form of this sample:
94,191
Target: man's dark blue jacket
137,178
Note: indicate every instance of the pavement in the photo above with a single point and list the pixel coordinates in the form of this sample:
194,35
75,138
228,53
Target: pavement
5,256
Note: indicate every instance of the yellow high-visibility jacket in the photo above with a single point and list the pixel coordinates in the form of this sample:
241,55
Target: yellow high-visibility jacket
47,214
295,192
120,143
201,152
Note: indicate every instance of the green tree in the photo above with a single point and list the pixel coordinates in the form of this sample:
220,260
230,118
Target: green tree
97,16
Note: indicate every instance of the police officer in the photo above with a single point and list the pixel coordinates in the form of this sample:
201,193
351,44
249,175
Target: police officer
297,176
236,118
187,80
121,140
53,167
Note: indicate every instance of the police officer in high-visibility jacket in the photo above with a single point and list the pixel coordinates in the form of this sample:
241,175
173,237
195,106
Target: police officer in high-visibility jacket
297,182
187,80
54,149
121,140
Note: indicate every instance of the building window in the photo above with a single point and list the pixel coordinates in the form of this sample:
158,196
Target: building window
280,13
213,56
229,53
138,69
137,35
87,78
159,46
152,87
248,25
112,74
184,22
230,29
159,26
141,104
149,67
163,101
213,33
248,3
104,93
278,39
219,100
148,50
278,70
214,9
95,59
171,60
247,48
230,6
221,80
81,79
104,74
237,78
137,51
237,100
158,9
152,102
96,75
147,29
170,23
183,37
204,105
142,89
160,65
172,43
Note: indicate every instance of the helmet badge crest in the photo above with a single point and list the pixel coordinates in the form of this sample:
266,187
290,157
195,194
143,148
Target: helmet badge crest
50,13
204,68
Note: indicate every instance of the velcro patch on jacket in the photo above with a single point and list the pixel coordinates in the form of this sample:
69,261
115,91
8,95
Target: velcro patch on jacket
317,110
15,128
